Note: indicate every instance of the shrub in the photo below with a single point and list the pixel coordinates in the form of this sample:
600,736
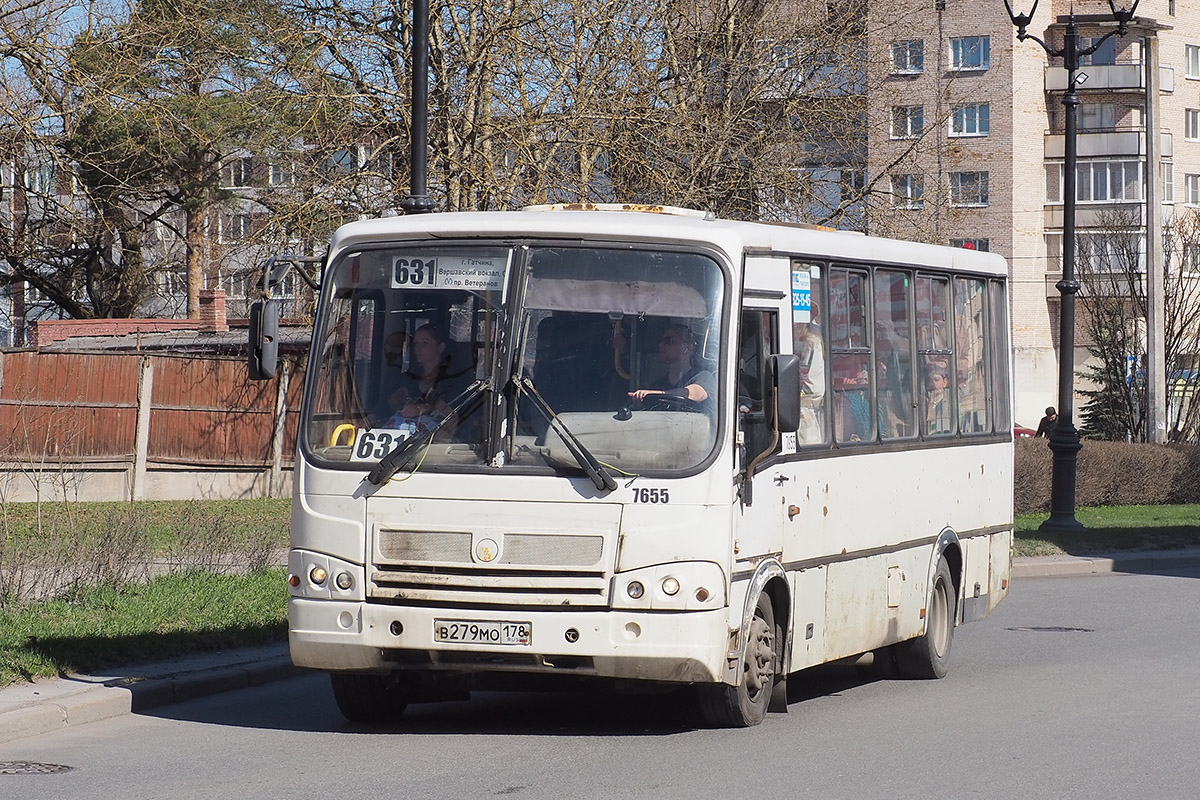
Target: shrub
1110,474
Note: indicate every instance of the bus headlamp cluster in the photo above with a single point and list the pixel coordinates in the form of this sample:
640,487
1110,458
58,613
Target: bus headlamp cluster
320,576
693,585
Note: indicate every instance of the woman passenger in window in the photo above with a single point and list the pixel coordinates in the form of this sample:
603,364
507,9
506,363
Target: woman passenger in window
423,397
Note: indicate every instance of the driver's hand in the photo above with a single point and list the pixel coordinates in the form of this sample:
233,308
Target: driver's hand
642,394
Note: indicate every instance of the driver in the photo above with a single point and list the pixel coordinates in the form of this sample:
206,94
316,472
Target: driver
683,378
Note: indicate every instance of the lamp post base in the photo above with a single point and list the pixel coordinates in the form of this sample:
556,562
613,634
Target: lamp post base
1065,444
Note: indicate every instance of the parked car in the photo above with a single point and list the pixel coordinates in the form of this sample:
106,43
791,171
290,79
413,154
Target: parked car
1021,430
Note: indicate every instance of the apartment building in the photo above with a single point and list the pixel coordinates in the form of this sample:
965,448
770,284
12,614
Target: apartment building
967,133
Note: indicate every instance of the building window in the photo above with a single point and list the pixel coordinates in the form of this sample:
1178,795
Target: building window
40,179
1106,54
1097,117
1191,189
1168,182
237,172
971,53
1099,182
908,57
908,191
1191,124
1054,252
1191,258
982,245
282,175
968,189
907,122
173,284
343,161
1192,59
235,284
972,119
235,227
1112,251
1108,181
1054,188
851,185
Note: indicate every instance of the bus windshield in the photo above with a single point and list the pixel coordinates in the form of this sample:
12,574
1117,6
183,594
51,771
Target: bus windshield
517,356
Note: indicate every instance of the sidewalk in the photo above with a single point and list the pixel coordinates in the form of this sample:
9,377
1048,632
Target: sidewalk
31,709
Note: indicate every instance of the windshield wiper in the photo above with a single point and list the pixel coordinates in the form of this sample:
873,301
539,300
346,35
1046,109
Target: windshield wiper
594,469
389,464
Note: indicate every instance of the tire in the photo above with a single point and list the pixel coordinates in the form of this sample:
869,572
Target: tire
370,698
746,704
928,656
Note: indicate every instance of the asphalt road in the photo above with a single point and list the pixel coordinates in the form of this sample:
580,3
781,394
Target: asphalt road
1080,687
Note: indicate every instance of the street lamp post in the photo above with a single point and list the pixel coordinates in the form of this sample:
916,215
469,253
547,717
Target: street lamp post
1064,438
419,200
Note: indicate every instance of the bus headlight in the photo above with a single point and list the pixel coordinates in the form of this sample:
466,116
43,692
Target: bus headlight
686,586
319,576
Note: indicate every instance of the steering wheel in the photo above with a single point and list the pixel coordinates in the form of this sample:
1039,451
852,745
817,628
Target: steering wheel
668,402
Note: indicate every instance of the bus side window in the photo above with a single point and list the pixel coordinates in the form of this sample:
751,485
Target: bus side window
808,343
936,355
755,343
850,373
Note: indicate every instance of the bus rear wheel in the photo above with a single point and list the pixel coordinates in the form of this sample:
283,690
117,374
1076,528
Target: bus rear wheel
368,697
746,703
928,656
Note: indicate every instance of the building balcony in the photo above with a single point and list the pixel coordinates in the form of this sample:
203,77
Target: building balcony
1091,144
1092,215
1110,77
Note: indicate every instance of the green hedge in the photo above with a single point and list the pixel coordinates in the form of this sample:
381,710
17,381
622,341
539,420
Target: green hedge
1110,474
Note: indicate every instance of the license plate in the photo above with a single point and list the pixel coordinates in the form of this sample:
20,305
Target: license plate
491,632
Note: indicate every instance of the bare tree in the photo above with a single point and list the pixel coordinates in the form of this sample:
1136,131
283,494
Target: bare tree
1113,296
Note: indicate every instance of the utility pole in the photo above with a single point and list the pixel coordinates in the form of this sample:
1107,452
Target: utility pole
1156,365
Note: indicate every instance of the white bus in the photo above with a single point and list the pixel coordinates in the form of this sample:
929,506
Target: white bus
646,445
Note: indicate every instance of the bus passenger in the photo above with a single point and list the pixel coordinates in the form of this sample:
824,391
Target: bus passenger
937,402
684,379
423,397
807,344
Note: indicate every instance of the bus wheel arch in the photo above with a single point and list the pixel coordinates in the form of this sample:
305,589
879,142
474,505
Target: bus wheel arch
760,683
928,656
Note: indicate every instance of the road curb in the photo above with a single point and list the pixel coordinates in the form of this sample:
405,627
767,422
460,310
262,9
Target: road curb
49,706
1063,566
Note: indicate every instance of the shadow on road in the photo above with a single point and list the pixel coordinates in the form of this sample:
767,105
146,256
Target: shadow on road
306,705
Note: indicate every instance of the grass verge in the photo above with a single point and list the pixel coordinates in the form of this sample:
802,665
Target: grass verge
1111,528
172,615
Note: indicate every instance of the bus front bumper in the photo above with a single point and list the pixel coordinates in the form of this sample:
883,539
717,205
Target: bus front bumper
680,647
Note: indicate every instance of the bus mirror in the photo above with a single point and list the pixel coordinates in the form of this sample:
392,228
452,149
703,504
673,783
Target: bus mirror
785,371
264,340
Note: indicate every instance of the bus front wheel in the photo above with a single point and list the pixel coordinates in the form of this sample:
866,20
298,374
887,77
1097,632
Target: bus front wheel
369,697
928,656
746,703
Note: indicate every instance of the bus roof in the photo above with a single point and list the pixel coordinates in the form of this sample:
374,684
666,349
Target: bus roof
665,225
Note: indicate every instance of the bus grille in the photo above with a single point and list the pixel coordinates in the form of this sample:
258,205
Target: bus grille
530,569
